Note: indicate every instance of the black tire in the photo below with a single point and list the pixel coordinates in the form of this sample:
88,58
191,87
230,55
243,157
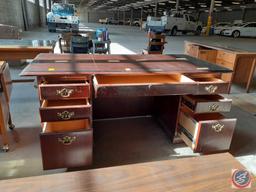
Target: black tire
199,30
174,31
236,34
137,24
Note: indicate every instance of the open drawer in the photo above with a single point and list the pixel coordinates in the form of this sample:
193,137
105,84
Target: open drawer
66,144
56,89
63,110
206,133
142,85
210,84
65,126
206,103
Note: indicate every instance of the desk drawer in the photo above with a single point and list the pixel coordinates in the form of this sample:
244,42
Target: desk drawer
66,150
206,133
63,110
142,85
208,84
64,90
227,56
206,103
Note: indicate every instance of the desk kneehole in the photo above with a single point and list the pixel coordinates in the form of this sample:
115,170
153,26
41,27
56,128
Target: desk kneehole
206,133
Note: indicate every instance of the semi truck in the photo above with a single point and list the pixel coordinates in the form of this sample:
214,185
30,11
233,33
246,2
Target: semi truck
63,16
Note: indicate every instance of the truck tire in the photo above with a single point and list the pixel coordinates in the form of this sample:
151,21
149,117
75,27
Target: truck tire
199,30
174,31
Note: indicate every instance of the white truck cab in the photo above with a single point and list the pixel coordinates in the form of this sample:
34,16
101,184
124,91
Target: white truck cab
179,22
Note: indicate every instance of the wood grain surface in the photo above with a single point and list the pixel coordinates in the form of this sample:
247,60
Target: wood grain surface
210,173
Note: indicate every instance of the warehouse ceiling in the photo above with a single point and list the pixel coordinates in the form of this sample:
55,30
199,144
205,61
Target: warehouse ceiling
148,5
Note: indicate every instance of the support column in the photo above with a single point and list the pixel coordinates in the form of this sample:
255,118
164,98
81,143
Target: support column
141,18
131,18
118,15
243,14
50,4
45,10
209,23
177,4
156,9
124,18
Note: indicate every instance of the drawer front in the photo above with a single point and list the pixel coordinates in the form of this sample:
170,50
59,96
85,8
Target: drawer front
216,135
64,91
207,104
225,63
206,136
66,150
65,113
213,88
192,50
145,90
224,55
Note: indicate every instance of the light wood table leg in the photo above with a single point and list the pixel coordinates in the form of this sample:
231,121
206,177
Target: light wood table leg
251,76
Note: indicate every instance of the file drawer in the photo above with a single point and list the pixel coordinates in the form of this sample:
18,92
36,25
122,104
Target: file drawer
206,133
66,145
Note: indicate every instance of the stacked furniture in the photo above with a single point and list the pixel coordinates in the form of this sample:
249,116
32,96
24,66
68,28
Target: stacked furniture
9,32
156,42
79,44
243,63
5,94
66,137
119,86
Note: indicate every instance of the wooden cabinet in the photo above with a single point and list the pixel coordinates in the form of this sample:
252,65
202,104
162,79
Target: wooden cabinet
242,63
66,116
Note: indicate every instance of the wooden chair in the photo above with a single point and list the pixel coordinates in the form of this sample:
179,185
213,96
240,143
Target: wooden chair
155,43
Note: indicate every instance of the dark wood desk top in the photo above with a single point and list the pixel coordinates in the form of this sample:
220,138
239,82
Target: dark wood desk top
70,64
201,174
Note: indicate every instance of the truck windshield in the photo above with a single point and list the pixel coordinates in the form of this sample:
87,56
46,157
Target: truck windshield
63,9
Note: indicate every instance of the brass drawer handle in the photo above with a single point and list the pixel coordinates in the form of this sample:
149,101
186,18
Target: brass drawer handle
213,107
66,115
67,140
218,127
64,92
211,88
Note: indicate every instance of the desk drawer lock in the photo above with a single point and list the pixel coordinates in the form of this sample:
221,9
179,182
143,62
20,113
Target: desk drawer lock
67,140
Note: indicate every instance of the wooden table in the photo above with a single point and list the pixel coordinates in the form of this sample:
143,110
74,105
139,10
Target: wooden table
24,49
200,174
243,63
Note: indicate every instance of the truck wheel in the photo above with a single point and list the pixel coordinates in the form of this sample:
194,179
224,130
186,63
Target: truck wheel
236,34
198,30
174,31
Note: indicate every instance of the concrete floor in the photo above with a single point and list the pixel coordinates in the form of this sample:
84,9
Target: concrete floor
24,158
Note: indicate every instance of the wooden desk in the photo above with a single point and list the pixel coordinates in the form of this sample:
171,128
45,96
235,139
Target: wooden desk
243,63
200,174
71,87
24,49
